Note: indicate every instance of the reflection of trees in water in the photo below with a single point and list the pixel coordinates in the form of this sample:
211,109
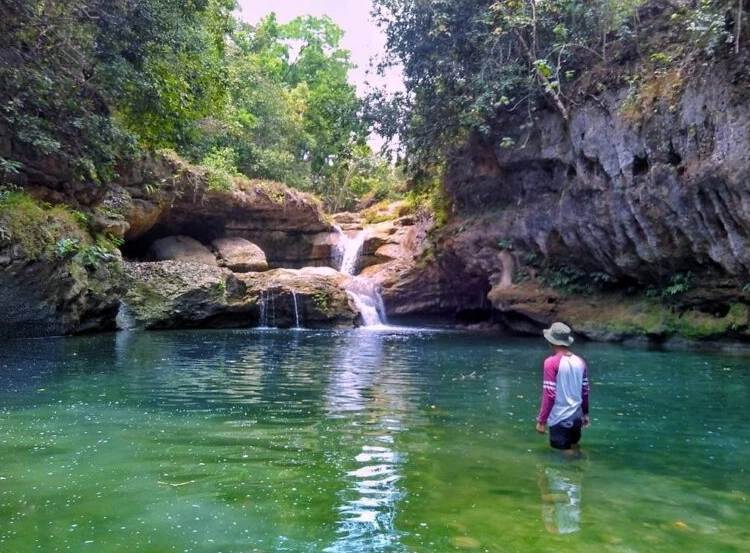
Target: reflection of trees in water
368,395
200,370
357,382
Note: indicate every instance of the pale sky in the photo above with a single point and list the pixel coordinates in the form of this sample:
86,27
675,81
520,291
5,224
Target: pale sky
362,37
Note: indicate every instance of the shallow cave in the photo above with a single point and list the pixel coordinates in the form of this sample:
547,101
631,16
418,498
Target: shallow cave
204,232
716,309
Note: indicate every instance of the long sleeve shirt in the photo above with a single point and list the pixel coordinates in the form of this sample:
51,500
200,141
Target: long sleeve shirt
565,388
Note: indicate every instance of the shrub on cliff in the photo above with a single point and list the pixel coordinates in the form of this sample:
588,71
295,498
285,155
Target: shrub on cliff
81,81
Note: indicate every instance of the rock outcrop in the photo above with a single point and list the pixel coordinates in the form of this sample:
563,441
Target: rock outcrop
43,298
164,211
174,294
653,200
165,197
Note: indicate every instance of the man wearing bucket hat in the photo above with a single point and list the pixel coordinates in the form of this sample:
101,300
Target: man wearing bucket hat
565,391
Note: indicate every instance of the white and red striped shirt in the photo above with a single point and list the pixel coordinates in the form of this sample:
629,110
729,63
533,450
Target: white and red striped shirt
565,388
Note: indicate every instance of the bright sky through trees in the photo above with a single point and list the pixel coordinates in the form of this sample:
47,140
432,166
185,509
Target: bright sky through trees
362,36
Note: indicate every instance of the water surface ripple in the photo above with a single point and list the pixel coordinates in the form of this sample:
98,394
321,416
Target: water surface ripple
372,440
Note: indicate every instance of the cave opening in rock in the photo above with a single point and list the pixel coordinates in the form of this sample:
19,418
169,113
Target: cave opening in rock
673,158
137,249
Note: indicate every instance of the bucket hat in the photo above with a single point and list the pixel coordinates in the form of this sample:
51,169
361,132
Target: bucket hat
558,334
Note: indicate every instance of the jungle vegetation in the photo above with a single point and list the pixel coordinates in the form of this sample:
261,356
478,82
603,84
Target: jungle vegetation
467,63
91,83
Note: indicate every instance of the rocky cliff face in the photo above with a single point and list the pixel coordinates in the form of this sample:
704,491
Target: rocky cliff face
630,191
156,200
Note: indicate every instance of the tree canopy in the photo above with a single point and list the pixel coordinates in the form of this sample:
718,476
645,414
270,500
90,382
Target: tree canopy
90,82
468,61
84,80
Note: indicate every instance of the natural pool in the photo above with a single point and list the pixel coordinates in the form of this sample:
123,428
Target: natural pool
360,441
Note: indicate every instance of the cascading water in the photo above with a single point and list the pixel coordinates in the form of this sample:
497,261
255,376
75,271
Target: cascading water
267,308
296,310
349,249
267,305
124,319
364,293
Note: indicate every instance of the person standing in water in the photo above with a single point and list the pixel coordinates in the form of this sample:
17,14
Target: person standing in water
565,391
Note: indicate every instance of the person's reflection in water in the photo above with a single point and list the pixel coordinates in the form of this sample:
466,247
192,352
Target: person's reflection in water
560,484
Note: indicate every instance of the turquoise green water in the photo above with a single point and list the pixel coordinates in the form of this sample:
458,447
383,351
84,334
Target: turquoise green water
362,441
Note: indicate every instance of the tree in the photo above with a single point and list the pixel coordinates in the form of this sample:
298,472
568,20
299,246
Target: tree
293,116
466,61
81,79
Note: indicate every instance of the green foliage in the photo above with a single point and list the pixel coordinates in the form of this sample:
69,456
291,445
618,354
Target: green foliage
221,169
321,301
81,80
467,61
67,247
86,83
109,242
37,227
92,256
87,255
359,176
291,114
164,66
569,279
678,284
9,166
706,24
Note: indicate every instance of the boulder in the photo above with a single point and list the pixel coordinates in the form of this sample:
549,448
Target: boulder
239,255
177,294
43,298
181,248
389,240
312,297
174,294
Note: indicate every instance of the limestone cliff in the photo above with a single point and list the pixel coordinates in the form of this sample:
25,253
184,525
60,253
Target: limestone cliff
55,278
634,195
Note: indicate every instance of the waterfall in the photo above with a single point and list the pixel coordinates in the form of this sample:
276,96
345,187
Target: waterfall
296,309
267,306
364,293
124,319
263,316
348,251
368,300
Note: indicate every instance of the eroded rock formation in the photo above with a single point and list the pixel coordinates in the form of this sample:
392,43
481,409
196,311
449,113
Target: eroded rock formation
631,200
174,294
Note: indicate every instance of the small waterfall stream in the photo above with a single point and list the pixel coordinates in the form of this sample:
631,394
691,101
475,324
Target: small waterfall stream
267,316
365,294
124,319
296,310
